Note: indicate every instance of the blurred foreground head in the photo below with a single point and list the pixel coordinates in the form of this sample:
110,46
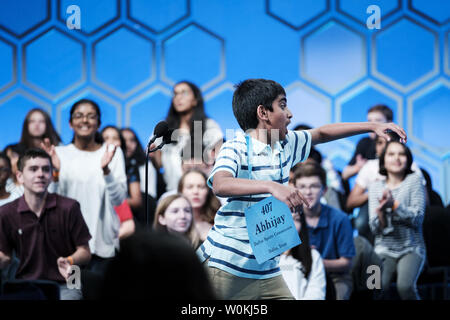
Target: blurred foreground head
155,266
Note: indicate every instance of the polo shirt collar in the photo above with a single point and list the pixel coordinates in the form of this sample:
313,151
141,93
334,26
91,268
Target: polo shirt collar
50,202
259,147
324,217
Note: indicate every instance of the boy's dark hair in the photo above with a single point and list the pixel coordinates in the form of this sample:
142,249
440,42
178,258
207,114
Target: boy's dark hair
6,158
409,159
31,154
310,169
16,148
384,109
251,93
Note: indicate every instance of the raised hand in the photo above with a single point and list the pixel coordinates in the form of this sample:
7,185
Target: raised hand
47,146
107,157
381,129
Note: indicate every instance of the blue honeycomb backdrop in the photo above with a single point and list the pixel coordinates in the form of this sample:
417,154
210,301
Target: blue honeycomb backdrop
129,53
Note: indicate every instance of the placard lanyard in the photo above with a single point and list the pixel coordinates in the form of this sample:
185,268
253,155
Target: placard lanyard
250,157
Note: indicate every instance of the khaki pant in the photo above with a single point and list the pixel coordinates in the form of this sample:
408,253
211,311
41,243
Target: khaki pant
231,287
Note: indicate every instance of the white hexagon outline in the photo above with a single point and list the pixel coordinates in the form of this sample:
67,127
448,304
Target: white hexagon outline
446,53
420,80
138,87
338,9
141,23
33,28
367,84
14,76
332,91
40,103
39,89
298,84
285,22
423,91
424,15
417,151
95,92
222,68
106,24
227,86
130,104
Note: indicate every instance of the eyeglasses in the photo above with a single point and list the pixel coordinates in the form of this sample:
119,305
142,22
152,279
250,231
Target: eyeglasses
89,116
313,187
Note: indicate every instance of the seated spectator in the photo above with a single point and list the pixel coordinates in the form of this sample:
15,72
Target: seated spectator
37,127
396,213
365,149
174,214
155,266
112,135
46,230
5,173
330,230
368,174
302,267
14,151
204,203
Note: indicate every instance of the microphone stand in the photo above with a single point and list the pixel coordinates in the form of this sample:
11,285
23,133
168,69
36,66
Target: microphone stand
147,153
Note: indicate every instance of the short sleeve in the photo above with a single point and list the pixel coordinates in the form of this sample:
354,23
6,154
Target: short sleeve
228,159
363,176
346,246
300,142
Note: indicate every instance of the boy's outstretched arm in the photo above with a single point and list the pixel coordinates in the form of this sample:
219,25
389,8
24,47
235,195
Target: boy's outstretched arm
335,131
226,185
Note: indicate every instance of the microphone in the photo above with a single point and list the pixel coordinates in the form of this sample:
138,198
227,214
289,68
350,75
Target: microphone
160,130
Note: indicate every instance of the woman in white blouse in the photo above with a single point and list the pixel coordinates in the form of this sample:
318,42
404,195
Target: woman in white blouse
187,116
302,267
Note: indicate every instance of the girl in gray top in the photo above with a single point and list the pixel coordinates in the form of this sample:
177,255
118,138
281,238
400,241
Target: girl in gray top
396,211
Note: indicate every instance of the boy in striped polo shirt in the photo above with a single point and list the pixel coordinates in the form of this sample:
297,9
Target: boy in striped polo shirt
260,107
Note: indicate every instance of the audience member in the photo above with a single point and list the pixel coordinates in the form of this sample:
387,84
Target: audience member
204,203
94,174
396,212
112,135
174,214
155,266
368,174
186,114
302,267
5,174
14,151
46,230
330,230
365,149
37,127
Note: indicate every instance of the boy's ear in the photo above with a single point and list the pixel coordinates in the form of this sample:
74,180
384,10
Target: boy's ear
262,113
19,177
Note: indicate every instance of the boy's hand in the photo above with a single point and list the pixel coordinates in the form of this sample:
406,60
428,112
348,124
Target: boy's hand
289,195
382,128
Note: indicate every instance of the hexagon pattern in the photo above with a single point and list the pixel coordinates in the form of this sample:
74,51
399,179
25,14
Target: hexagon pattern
158,15
393,60
7,65
20,17
296,13
180,59
54,62
348,60
123,71
93,14
357,10
436,11
129,53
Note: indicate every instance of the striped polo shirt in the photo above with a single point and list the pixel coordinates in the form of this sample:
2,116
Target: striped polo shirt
227,245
